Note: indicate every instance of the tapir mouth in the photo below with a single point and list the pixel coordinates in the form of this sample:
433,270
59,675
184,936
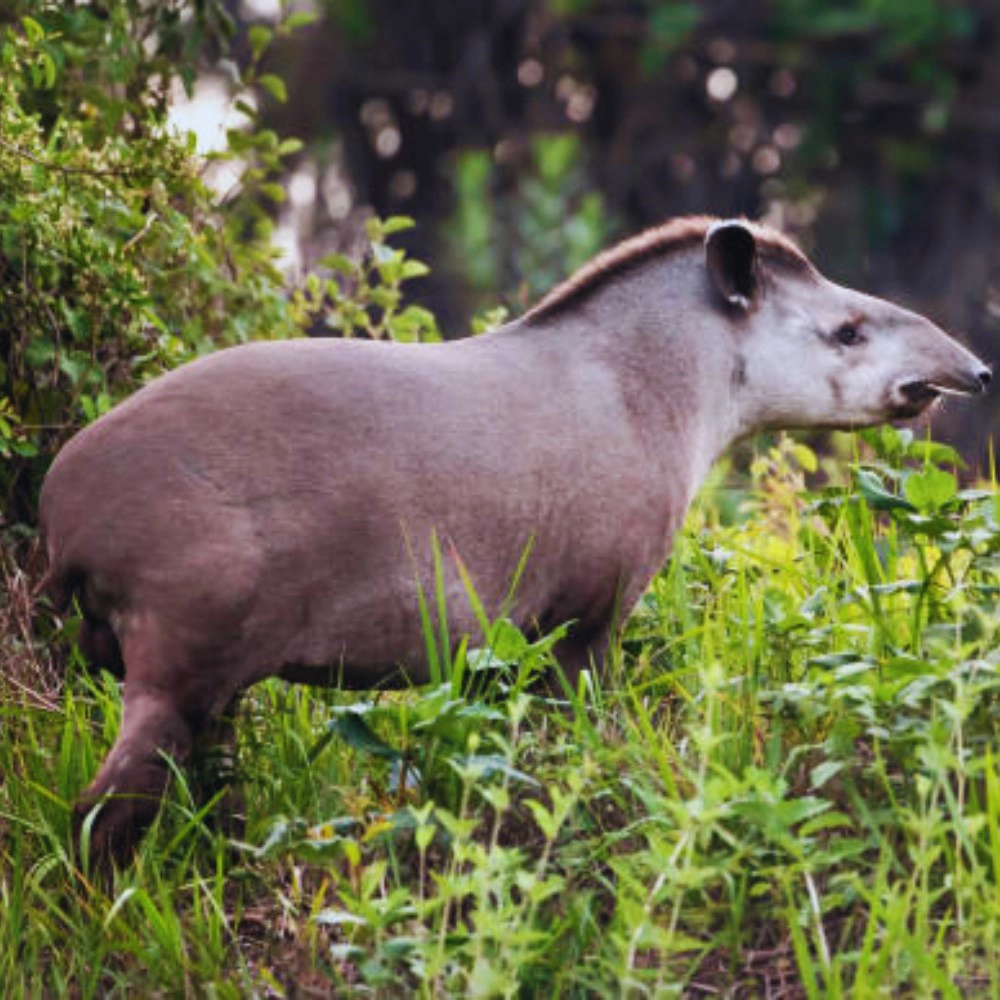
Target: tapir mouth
918,394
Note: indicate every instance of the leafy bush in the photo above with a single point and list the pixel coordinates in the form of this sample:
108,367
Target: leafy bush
116,260
351,297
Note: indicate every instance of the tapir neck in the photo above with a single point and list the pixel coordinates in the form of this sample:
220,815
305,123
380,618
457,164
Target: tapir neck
671,373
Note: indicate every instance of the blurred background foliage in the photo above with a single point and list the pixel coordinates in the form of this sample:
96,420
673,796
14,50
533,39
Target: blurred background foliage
521,135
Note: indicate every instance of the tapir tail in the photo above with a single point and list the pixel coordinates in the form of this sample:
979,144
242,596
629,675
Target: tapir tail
95,639
58,587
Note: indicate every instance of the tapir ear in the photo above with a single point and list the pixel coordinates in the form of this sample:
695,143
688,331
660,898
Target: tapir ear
731,259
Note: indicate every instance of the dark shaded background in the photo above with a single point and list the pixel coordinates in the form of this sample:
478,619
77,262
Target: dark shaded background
523,134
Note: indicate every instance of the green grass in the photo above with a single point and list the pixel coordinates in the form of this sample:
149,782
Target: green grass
787,780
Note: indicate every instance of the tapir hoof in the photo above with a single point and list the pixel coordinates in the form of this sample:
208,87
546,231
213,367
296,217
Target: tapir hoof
129,787
108,824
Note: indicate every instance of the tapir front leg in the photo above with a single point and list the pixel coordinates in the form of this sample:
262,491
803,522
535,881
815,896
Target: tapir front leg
213,773
582,649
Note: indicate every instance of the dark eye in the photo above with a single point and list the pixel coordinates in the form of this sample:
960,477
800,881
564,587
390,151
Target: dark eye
848,335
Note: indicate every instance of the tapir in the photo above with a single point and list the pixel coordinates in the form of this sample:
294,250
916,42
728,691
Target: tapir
273,508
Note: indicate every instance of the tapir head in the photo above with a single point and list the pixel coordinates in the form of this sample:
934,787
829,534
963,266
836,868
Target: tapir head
811,353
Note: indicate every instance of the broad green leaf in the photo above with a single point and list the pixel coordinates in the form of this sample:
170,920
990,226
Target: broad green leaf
338,262
822,773
937,453
805,456
931,489
873,490
415,269
355,732
275,192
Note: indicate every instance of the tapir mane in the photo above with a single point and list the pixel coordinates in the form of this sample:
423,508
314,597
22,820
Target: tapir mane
675,235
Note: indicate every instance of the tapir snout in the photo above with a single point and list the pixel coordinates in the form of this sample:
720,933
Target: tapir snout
951,371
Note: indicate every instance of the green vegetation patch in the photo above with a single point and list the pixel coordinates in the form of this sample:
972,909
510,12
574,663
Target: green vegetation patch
788,779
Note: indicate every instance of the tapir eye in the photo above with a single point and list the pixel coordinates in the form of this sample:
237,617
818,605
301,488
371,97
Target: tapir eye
848,334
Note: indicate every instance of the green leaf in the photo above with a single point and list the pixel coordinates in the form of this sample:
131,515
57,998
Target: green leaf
547,822
805,456
486,767
32,29
936,453
299,19
74,367
44,72
243,107
273,191
274,85
823,772
333,917
338,262
39,353
355,732
931,489
832,820
873,490
260,38
396,224
414,269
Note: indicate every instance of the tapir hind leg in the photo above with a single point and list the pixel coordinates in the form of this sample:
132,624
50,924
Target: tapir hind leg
130,783
169,699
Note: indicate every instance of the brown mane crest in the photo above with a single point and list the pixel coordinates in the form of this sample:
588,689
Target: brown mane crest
676,234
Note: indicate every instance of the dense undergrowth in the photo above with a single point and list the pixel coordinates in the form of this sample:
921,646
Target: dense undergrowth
786,784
